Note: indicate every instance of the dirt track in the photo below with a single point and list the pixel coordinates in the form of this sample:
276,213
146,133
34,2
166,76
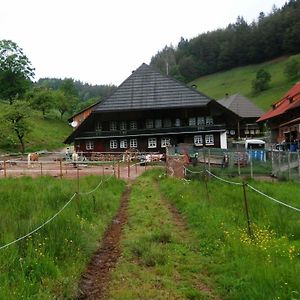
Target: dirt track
95,280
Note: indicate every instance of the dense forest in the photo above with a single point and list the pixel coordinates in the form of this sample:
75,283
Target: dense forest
240,43
85,91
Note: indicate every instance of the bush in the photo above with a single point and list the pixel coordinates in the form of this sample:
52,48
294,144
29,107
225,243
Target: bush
261,82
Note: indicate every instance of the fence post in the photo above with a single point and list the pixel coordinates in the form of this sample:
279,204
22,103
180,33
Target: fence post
4,168
102,169
247,209
78,180
272,160
128,168
251,164
206,184
136,169
118,169
298,156
114,167
208,159
60,169
289,165
41,169
238,163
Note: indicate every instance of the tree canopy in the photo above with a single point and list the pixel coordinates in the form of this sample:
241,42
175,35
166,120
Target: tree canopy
16,71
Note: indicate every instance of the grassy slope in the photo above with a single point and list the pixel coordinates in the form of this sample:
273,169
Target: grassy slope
239,80
46,133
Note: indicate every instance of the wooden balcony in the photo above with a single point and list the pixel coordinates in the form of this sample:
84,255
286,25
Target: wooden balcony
154,131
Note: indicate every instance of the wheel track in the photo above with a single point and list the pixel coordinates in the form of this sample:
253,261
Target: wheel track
95,280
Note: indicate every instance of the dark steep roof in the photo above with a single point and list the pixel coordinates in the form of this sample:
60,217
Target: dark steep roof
146,88
242,106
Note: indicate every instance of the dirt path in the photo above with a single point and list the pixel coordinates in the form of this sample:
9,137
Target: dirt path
95,280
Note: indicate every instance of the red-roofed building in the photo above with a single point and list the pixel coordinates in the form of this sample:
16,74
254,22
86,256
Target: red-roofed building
284,118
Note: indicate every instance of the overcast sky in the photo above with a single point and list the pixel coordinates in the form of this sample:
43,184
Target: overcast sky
102,41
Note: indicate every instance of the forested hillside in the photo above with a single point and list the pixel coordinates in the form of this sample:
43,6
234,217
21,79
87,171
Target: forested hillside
239,44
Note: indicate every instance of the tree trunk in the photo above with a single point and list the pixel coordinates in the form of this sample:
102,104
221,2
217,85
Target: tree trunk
20,137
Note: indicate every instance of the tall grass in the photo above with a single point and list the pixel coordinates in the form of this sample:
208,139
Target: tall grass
264,266
48,264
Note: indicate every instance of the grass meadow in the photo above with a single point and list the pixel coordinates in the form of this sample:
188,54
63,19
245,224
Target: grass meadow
265,265
48,264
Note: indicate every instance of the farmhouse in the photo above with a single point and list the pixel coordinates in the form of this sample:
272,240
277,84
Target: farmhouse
283,119
247,114
150,111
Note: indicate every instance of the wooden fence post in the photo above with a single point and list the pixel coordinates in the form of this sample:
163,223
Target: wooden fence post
60,169
128,168
4,168
118,169
41,169
209,160
289,165
247,209
77,180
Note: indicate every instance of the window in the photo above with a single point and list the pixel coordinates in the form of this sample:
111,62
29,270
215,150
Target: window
113,144
89,145
167,123
209,139
165,142
112,125
151,142
209,120
200,121
257,131
198,141
133,143
133,125
98,126
158,123
177,122
149,123
192,121
123,144
123,125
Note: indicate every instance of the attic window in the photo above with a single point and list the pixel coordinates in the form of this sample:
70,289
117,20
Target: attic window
149,123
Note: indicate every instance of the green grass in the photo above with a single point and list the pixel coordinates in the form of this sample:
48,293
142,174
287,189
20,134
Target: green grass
159,260
266,266
48,264
45,133
239,80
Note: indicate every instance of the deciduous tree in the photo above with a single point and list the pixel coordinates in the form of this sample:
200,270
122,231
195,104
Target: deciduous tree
16,72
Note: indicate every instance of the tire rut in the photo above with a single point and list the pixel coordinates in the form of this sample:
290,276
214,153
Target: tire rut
183,230
94,282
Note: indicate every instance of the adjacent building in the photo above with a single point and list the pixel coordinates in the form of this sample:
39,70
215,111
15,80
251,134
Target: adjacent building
283,119
247,113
